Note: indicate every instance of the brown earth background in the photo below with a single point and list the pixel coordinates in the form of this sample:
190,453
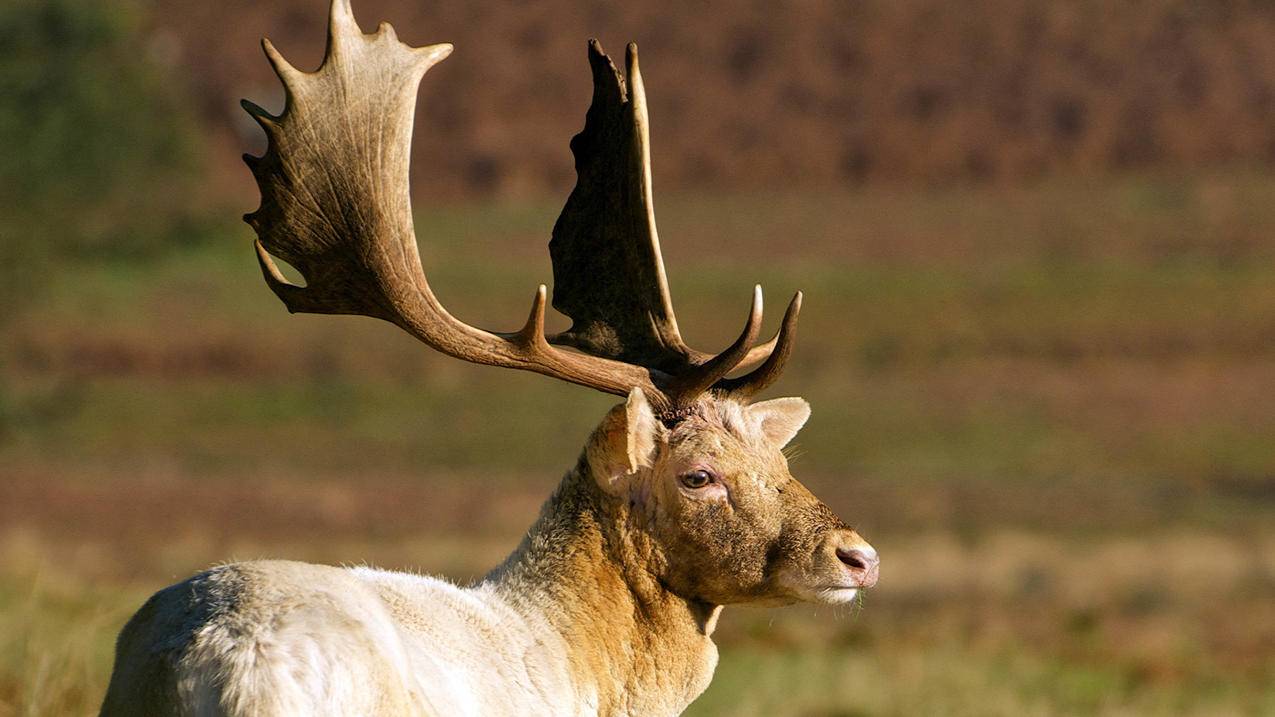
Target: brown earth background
758,95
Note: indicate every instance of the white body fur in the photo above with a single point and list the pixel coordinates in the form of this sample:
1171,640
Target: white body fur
285,638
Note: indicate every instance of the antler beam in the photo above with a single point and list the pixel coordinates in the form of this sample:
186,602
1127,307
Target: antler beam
335,205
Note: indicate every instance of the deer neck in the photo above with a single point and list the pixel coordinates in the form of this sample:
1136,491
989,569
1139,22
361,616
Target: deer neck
587,572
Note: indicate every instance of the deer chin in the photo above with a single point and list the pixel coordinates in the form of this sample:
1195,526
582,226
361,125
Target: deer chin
836,595
822,592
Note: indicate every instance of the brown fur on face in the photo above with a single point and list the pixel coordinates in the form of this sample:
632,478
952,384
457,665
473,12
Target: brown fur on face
753,534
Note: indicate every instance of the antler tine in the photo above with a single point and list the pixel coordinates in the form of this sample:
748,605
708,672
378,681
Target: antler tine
532,333
287,74
684,388
334,204
341,23
268,122
757,380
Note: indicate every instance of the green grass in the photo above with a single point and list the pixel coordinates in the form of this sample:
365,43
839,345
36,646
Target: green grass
57,642
950,681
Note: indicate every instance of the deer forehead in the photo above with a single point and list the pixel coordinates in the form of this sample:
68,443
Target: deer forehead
721,425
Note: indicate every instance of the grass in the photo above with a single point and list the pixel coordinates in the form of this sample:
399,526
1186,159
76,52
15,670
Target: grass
1002,625
951,681
1047,407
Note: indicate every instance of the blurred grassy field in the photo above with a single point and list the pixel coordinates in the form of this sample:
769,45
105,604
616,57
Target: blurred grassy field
1048,407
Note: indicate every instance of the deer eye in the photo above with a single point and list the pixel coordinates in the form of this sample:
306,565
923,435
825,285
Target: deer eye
697,479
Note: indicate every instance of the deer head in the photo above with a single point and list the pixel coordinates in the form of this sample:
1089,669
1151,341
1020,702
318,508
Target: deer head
724,520
701,469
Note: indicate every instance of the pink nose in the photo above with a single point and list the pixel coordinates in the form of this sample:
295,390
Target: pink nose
863,564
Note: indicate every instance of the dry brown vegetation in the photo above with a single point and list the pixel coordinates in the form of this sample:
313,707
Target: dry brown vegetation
759,94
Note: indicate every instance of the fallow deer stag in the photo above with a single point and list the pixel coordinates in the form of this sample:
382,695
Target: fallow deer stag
680,503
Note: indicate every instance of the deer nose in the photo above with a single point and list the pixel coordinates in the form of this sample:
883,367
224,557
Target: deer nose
862,562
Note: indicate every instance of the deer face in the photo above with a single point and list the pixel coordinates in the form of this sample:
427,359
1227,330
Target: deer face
726,520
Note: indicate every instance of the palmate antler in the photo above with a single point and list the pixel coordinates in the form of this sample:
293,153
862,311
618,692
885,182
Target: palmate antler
335,205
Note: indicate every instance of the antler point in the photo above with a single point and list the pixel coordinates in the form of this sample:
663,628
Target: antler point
341,23
284,69
433,54
267,121
532,332
275,278
631,59
342,8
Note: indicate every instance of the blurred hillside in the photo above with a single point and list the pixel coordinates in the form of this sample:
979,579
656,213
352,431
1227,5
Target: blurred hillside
812,93
804,95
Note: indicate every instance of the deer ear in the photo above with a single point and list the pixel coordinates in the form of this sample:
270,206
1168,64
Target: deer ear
780,418
627,440
642,431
